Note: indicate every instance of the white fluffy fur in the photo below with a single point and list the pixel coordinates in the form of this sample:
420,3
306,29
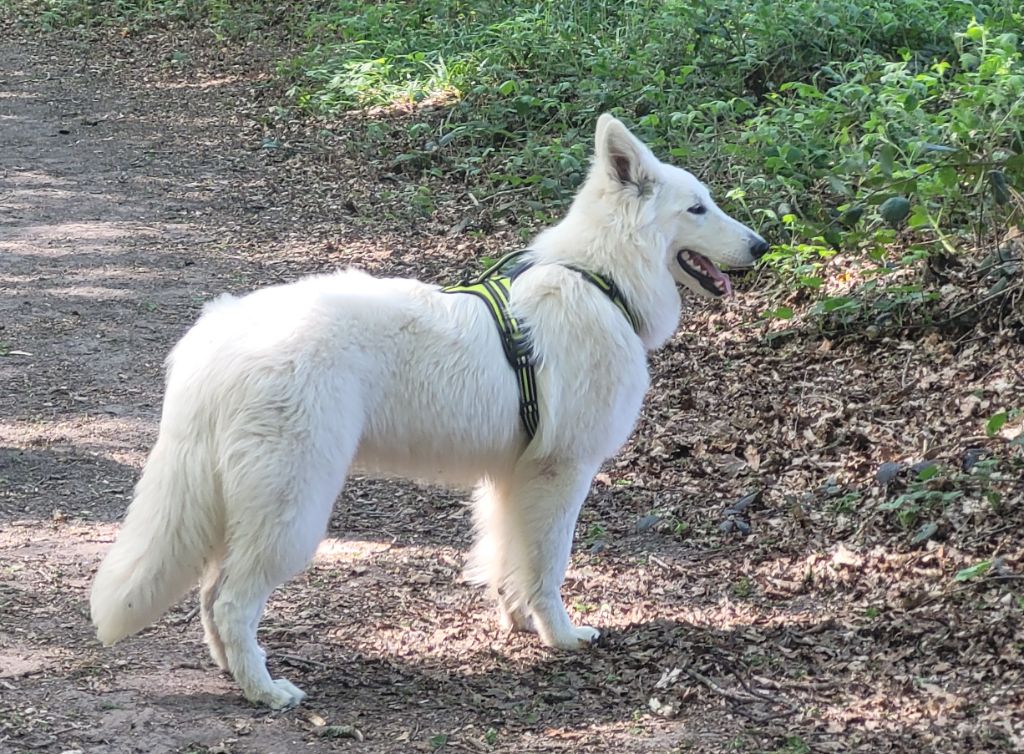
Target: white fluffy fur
273,397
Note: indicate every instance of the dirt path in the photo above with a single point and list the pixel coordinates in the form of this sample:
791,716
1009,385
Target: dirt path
101,270
134,187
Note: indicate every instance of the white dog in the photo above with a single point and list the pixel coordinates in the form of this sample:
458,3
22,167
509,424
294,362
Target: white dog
272,398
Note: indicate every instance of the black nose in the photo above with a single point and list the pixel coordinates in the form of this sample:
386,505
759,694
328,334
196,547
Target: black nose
759,248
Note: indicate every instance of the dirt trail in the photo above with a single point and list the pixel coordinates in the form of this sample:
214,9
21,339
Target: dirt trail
102,266
140,178
100,270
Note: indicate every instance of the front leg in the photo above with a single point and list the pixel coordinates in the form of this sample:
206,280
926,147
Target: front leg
537,518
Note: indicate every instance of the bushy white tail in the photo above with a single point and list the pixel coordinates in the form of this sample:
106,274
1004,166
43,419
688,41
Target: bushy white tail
170,530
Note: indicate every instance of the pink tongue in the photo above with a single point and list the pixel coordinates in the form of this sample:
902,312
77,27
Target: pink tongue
725,279
716,274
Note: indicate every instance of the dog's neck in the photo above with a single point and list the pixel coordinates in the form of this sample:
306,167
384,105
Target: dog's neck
586,239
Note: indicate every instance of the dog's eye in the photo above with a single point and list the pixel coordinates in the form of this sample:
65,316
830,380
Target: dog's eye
697,209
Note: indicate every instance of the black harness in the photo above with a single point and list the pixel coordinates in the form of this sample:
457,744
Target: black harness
494,286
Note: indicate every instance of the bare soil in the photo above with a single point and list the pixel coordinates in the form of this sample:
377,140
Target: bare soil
140,177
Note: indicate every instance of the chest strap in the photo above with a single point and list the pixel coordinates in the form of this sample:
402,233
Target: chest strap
493,286
494,291
609,289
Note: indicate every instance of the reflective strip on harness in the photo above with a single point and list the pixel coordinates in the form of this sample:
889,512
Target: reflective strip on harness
494,291
493,287
612,291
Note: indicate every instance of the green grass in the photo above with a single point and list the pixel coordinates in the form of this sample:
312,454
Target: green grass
805,116
845,101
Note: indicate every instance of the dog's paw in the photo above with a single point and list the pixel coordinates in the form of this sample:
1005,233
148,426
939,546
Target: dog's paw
282,694
587,636
579,637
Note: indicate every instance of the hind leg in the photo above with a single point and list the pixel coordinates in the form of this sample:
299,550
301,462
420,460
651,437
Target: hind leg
271,536
244,655
536,524
238,610
209,588
488,561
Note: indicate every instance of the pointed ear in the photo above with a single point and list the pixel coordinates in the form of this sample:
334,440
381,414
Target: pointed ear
621,155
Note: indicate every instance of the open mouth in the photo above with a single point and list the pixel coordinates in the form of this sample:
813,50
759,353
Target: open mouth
703,270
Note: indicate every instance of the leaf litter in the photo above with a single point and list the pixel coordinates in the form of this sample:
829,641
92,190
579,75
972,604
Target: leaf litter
825,620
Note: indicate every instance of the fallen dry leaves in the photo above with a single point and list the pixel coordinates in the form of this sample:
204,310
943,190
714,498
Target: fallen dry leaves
804,619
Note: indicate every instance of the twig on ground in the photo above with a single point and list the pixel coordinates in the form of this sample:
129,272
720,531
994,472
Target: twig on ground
751,696
980,302
803,685
720,690
758,693
187,617
660,563
296,660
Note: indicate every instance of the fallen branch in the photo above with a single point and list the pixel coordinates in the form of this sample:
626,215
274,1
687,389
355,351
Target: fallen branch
187,617
751,697
296,660
802,685
720,690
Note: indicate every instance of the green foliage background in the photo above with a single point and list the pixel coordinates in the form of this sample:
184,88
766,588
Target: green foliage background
892,129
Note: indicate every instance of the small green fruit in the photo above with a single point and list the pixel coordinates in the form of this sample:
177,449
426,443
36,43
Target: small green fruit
894,209
850,217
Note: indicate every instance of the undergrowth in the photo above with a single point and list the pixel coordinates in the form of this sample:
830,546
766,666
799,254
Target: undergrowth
889,133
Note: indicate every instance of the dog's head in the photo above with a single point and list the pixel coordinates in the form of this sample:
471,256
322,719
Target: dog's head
698,236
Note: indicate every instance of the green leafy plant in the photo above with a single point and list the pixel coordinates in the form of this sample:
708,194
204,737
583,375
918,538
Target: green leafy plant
972,572
934,488
595,533
793,745
928,492
890,131
584,608
743,587
996,422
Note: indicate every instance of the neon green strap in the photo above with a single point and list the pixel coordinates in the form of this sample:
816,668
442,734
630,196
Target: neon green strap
608,288
493,288
494,291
